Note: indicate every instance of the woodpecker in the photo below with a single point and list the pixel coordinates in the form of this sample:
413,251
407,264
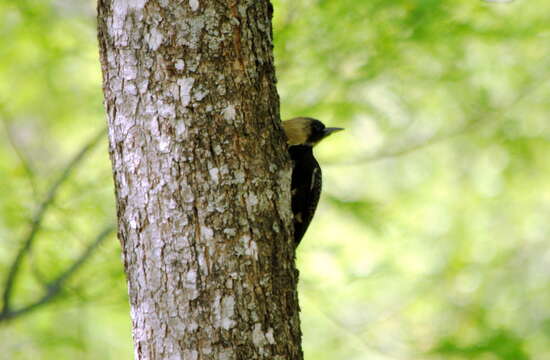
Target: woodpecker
302,135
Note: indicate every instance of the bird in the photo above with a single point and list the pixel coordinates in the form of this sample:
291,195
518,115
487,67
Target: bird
302,134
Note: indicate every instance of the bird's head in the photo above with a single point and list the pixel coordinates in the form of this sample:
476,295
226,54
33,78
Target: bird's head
306,131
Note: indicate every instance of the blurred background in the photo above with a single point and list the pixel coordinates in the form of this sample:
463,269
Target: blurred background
432,236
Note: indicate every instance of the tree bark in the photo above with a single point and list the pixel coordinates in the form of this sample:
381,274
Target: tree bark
202,178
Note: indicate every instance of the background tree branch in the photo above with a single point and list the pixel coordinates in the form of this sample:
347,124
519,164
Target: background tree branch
474,122
37,218
55,286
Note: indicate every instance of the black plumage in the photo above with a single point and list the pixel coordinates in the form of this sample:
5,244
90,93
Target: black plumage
302,135
306,188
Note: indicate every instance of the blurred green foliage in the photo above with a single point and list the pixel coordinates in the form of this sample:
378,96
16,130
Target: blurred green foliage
431,241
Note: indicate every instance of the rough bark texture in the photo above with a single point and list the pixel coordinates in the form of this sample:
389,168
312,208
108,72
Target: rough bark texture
202,178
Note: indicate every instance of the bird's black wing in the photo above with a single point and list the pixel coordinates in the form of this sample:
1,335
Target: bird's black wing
306,190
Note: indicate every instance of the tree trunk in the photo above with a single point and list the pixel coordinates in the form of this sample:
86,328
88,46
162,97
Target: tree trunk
202,178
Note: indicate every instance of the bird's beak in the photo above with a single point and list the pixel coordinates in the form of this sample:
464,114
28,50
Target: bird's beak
331,130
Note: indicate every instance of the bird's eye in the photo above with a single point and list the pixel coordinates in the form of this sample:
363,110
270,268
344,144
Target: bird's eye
317,127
